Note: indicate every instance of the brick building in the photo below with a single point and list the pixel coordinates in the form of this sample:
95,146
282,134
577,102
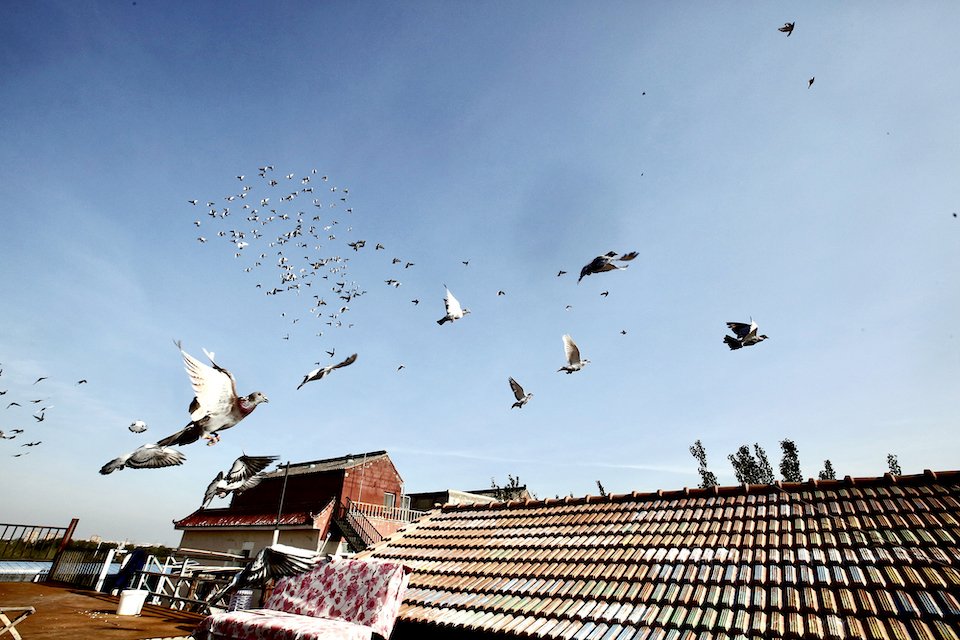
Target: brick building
332,505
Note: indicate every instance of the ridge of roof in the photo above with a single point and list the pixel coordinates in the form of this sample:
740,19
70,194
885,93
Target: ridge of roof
716,490
326,464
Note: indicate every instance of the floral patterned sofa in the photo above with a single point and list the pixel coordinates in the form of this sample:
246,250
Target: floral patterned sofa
344,599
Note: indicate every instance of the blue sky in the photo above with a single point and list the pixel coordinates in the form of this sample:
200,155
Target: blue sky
525,138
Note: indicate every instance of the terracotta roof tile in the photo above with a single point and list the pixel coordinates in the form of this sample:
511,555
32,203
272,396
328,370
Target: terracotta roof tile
866,557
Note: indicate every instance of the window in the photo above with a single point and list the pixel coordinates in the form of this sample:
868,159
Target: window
405,502
389,500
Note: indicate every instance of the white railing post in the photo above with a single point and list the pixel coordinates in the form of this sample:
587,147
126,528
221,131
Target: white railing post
106,568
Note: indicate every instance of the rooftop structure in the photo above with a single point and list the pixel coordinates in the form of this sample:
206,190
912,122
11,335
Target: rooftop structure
872,558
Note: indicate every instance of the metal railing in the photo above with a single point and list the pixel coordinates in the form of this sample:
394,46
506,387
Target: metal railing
184,583
32,542
358,521
371,510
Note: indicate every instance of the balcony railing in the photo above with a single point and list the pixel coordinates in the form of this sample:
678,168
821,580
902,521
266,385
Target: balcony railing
382,512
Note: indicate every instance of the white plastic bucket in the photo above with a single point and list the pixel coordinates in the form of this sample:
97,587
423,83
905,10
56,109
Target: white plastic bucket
131,602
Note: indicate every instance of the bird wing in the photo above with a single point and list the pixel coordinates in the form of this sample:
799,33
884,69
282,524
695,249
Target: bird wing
740,329
215,388
571,350
115,464
151,456
246,466
628,256
212,490
350,360
517,389
452,305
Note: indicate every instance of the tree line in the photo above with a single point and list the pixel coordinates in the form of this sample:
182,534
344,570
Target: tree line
753,467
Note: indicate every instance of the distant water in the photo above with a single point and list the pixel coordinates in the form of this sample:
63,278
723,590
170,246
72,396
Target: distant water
35,570
23,570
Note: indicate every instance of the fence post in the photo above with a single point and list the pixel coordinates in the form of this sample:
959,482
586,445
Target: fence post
106,568
67,537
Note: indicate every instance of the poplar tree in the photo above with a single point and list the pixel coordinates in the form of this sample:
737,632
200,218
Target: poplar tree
790,462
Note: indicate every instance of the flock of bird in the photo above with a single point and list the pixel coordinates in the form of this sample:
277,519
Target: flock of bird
13,412
283,222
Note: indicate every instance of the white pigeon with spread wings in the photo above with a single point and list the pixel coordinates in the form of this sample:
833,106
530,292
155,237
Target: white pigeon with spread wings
149,456
574,361
454,310
216,405
316,374
518,393
244,474
138,426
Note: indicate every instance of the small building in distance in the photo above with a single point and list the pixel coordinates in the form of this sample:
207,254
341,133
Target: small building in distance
335,505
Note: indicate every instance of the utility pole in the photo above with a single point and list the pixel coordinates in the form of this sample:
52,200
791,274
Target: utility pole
283,493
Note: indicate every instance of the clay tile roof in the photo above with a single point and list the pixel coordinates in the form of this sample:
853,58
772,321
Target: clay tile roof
829,559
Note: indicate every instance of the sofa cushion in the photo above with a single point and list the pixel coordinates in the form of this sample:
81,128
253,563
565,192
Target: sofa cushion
364,592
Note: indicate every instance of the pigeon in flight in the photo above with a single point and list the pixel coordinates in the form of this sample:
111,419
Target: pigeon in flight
138,426
149,456
522,398
244,474
216,405
810,82
787,28
746,335
574,362
454,311
316,374
271,563
605,263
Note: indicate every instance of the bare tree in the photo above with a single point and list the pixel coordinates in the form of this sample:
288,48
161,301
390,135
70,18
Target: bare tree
707,478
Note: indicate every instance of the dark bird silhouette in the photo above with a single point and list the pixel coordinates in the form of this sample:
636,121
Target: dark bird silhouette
216,405
317,374
13,404
787,28
39,379
84,381
810,82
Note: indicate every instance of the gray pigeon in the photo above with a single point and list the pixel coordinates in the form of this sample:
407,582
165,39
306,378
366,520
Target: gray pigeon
271,563
746,335
787,28
149,456
518,393
605,263
317,374
138,426
244,474
216,405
